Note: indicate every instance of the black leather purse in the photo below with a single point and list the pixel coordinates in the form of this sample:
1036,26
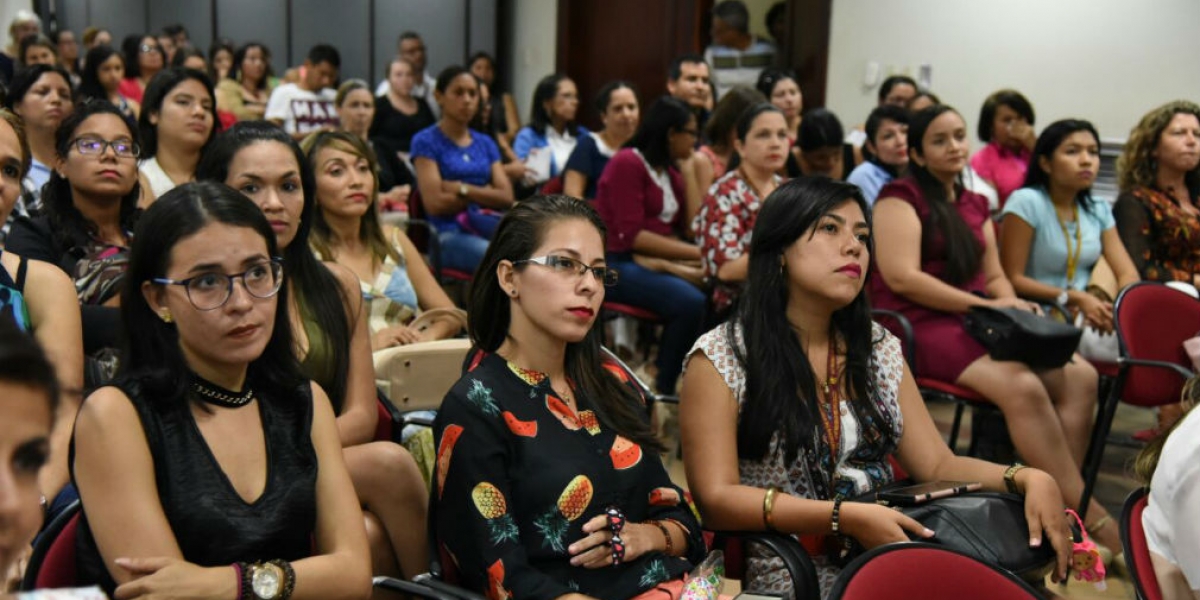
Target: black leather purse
1015,334
989,526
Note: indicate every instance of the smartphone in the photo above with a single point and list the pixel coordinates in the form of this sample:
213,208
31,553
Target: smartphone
919,494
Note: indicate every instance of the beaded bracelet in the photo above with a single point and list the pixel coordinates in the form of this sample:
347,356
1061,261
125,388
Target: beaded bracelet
666,535
289,578
835,519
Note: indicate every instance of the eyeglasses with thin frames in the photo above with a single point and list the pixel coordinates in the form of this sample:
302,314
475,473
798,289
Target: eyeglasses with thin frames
97,146
211,291
566,265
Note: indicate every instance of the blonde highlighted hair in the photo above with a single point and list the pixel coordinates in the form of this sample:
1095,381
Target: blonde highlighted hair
370,231
1137,166
1146,461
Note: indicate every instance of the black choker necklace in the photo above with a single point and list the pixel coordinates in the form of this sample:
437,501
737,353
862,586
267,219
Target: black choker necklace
214,394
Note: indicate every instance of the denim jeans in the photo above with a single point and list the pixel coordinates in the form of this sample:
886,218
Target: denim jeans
679,303
461,251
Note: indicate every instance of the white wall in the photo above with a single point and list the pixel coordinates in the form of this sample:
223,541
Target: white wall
534,48
1108,61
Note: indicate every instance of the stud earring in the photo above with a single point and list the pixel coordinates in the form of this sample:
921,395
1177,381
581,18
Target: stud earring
165,316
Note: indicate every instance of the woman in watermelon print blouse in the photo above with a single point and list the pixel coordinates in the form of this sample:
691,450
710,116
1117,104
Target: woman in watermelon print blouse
542,435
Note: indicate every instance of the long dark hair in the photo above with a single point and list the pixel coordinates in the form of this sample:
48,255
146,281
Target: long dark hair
26,77
781,389
240,56
153,363
89,79
963,251
319,295
70,228
131,47
156,92
520,232
1047,143
666,116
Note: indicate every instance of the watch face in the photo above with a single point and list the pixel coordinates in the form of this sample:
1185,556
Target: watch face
266,582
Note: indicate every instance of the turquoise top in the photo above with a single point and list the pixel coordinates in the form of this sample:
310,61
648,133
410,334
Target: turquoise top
1048,257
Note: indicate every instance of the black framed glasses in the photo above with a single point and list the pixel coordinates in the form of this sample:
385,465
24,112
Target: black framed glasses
89,146
211,291
566,265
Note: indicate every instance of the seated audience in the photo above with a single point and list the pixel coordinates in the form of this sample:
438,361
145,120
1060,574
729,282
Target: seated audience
191,58
411,47
641,198
551,127
27,417
459,175
178,122
714,158
688,79
39,299
103,70
1006,126
1159,177
617,103
500,107
89,216
96,36
24,24
735,56
936,259
278,510
307,105
248,86
399,114
39,50
356,111
220,59
524,501
921,101
1167,465
723,226
887,151
820,149
800,400
396,283
333,342
780,88
144,58
1054,232
897,90
67,49
41,96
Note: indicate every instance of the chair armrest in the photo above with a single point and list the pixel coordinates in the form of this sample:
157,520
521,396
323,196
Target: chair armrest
1160,364
453,591
412,589
795,558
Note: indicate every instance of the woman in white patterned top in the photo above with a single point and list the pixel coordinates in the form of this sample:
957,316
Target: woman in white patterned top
811,418
396,283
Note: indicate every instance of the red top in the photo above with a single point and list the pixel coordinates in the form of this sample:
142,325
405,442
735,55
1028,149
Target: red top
629,200
131,88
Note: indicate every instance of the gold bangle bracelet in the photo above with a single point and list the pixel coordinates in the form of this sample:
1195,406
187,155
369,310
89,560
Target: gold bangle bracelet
769,507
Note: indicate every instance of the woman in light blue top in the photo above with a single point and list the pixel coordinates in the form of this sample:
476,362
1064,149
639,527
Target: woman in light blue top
551,124
1054,232
887,144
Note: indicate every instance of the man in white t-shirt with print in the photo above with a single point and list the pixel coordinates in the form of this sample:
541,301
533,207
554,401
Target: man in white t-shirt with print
307,106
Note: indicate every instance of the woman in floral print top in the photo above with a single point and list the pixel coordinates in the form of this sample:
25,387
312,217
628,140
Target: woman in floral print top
541,435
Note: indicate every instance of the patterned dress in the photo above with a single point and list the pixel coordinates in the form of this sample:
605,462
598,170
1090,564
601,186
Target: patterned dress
518,474
1162,238
861,466
722,228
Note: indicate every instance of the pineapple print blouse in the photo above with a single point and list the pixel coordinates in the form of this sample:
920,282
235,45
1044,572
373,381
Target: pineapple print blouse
518,474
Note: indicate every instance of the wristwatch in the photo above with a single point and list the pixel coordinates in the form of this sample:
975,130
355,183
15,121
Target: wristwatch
462,190
266,581
1062,298
1010,477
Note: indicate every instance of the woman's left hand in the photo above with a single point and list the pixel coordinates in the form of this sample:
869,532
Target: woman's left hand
594,550
1044,512
163,577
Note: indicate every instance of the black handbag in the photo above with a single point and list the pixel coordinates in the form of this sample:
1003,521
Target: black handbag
1015,334
989,526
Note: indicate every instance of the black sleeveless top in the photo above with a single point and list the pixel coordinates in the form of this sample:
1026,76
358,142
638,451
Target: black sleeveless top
213,525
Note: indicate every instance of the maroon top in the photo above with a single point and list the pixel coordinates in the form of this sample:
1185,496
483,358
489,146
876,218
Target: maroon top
629,200
944,349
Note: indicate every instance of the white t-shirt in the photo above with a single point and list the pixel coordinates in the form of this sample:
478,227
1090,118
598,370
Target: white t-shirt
1172,517
300,110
